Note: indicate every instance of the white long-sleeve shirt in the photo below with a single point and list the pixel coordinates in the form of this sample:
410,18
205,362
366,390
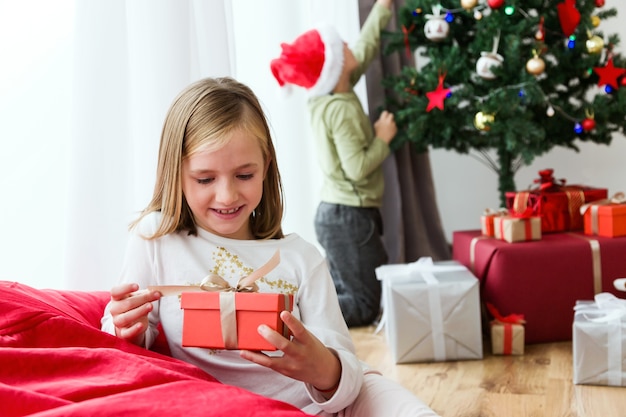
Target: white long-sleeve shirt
181,259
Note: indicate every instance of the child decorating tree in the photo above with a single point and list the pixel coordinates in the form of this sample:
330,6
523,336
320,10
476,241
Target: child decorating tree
348,222
217,208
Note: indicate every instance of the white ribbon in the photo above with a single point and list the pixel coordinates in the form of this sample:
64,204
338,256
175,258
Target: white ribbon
424,269
610,310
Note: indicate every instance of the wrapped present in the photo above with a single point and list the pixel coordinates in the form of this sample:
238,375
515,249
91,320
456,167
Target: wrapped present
517,229
599,341
229,320
219,316
542,279
605,217
431,311
507,332
556,203
486,221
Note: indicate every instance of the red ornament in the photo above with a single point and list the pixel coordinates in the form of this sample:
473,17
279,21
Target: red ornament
622,81
599,3
609,74
569,16
495,4
588,124
436,97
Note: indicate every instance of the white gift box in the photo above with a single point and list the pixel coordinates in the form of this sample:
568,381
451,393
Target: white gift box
431,311
599,341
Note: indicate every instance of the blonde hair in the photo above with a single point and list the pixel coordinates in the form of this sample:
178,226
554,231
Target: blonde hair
202,117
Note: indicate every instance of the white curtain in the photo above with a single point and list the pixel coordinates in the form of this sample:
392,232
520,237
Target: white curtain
82,103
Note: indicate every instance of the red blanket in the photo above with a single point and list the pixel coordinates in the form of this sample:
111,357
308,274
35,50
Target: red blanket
54,361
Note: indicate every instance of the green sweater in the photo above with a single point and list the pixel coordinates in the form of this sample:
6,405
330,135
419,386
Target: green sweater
350,156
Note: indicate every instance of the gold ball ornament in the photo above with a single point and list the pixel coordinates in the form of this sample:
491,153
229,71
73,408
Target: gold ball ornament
595,21
595,44
469,4
535,66
482,121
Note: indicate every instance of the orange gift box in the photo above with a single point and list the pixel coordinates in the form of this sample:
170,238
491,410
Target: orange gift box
517,229
229,320
606,217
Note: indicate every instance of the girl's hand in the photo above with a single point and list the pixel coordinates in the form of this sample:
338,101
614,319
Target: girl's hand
305,357
129,309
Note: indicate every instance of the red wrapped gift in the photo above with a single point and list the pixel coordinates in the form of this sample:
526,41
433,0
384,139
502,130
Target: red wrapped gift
606,217
557,204
507,332
229,320
542,279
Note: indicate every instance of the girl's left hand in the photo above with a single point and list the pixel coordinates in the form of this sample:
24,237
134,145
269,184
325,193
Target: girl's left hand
305,356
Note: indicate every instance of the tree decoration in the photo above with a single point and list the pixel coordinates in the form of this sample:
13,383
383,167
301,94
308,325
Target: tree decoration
469,4
483,121
436,97
522,114
436,28
594,44
609,74
495,4
535,65
489,61
569,16
589,123
599,3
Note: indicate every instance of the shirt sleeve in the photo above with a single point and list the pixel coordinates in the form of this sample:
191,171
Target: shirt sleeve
137,268
359,154
368,44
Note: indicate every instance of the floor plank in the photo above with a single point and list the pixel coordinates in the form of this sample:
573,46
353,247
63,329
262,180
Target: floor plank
536,384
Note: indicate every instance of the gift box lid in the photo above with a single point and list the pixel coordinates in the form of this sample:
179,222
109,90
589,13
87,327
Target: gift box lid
245,301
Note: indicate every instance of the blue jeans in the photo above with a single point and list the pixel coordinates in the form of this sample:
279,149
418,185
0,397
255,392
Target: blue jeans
351,237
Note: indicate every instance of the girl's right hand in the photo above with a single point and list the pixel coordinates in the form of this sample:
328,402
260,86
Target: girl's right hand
129,309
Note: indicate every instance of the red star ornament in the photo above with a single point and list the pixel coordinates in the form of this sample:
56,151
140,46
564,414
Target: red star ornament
609,74
436,97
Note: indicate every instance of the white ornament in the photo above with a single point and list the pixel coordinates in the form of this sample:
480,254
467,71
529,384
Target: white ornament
489,61
486,63
436,28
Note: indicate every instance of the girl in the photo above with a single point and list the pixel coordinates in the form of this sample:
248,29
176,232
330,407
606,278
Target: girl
217,208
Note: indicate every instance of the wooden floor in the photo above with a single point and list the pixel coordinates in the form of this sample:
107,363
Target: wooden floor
536,384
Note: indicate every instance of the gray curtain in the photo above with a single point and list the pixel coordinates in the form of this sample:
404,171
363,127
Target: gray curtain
412,225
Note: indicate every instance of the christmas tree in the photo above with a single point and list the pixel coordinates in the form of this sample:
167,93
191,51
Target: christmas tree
506,80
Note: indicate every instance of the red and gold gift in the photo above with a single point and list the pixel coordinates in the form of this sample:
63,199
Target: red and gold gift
218,316
507,333
486,221
606,217
557,204
517,228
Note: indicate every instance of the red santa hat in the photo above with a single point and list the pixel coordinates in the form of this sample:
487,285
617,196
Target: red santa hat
313,61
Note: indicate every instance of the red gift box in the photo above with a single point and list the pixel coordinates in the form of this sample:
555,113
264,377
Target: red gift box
229,320
557,204
542,279
606,217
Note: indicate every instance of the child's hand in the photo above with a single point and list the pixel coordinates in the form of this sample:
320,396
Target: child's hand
385,127
129,310
305,357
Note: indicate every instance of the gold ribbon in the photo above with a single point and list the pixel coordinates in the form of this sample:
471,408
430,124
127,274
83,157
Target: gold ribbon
473,252
228,310
594,206
596,262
